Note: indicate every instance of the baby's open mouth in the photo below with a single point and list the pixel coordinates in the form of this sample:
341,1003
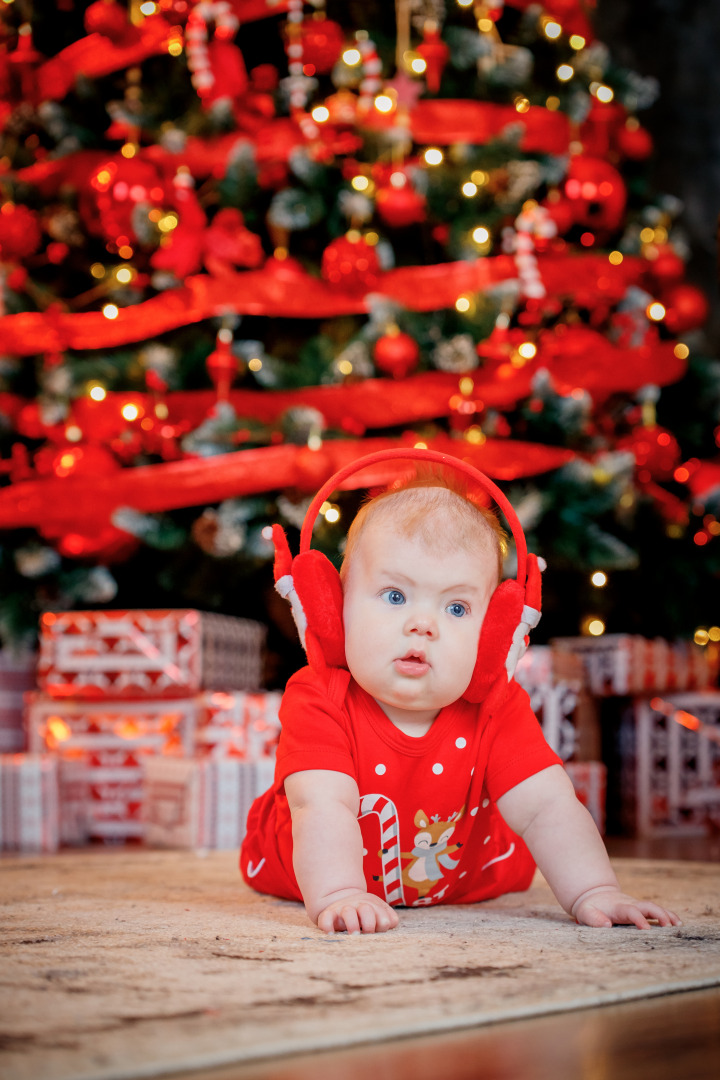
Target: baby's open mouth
412,663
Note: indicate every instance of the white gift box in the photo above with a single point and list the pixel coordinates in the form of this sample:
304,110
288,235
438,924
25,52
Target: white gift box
28,803
670,772
201,803
100,747
239,724
622,664
554,682
147,653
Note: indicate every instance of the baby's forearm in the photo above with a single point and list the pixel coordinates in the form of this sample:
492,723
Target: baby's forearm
570,853
327,855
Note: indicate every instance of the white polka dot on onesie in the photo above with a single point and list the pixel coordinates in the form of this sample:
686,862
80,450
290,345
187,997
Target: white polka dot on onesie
437,768
460,743
380,769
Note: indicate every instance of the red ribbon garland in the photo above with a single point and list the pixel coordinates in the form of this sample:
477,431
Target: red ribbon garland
444,121
83,505
377,403
286,291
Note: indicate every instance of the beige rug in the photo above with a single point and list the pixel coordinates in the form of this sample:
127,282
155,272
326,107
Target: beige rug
133,963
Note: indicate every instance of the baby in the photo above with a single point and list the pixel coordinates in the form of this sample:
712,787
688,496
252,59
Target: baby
391,789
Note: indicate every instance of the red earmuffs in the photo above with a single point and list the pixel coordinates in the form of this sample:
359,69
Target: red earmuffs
312,585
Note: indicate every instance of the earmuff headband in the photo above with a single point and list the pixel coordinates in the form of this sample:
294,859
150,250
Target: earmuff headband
418,454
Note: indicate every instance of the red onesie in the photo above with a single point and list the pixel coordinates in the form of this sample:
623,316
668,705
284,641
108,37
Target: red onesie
431,831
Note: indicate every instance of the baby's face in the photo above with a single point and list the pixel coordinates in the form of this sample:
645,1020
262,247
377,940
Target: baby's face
412,619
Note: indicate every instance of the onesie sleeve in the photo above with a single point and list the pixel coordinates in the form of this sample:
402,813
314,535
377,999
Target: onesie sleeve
315,729
518,749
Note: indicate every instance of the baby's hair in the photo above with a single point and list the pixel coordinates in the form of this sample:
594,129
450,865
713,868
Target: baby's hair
414,505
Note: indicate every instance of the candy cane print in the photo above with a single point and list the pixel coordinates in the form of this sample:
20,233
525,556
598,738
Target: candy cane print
390,842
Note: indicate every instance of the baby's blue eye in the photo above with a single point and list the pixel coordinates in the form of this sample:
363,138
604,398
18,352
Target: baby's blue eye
457,609
393,596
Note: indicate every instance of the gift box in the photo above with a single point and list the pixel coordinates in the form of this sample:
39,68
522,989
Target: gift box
554,681
623,664
17,675
162,653
101,747
201,803
28,803
238,724
668,765
589,778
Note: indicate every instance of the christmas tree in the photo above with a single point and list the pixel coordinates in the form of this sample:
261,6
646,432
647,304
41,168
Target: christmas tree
243,242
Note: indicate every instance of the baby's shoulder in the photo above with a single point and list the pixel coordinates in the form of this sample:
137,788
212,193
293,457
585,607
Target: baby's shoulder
311,690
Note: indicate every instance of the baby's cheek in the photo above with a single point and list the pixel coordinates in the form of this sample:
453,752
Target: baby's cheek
464,655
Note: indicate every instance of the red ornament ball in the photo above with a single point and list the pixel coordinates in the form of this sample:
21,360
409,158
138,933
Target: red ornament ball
396,354
322,43
655,450
597,191
87,459
108,18
175,11
20,232
401,205
350,261
666,267
686,308
634,142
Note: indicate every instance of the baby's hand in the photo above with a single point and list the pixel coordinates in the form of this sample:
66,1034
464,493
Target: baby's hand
608,906
360,912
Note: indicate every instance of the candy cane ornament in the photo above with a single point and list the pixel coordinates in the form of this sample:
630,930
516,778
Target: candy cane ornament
294,49
196,38
529,224
390,841
372,73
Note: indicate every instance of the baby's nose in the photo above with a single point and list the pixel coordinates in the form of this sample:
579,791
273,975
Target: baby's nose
422,623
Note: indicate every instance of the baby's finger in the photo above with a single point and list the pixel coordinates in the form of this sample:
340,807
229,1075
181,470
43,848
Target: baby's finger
387,919
369,921
592,916
630,914
326,921
350,918
661,915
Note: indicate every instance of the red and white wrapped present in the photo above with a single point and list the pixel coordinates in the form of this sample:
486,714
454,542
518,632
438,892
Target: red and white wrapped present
623,664
589,779
147,653
553,688
17,675
101,746
28,803
238,724
668,753
201,802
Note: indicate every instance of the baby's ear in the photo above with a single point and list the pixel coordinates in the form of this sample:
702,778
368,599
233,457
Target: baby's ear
318,586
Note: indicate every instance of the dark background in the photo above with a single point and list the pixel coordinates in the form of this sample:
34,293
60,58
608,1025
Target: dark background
678,43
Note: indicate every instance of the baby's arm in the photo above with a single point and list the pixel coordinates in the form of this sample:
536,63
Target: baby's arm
570,853
328,854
